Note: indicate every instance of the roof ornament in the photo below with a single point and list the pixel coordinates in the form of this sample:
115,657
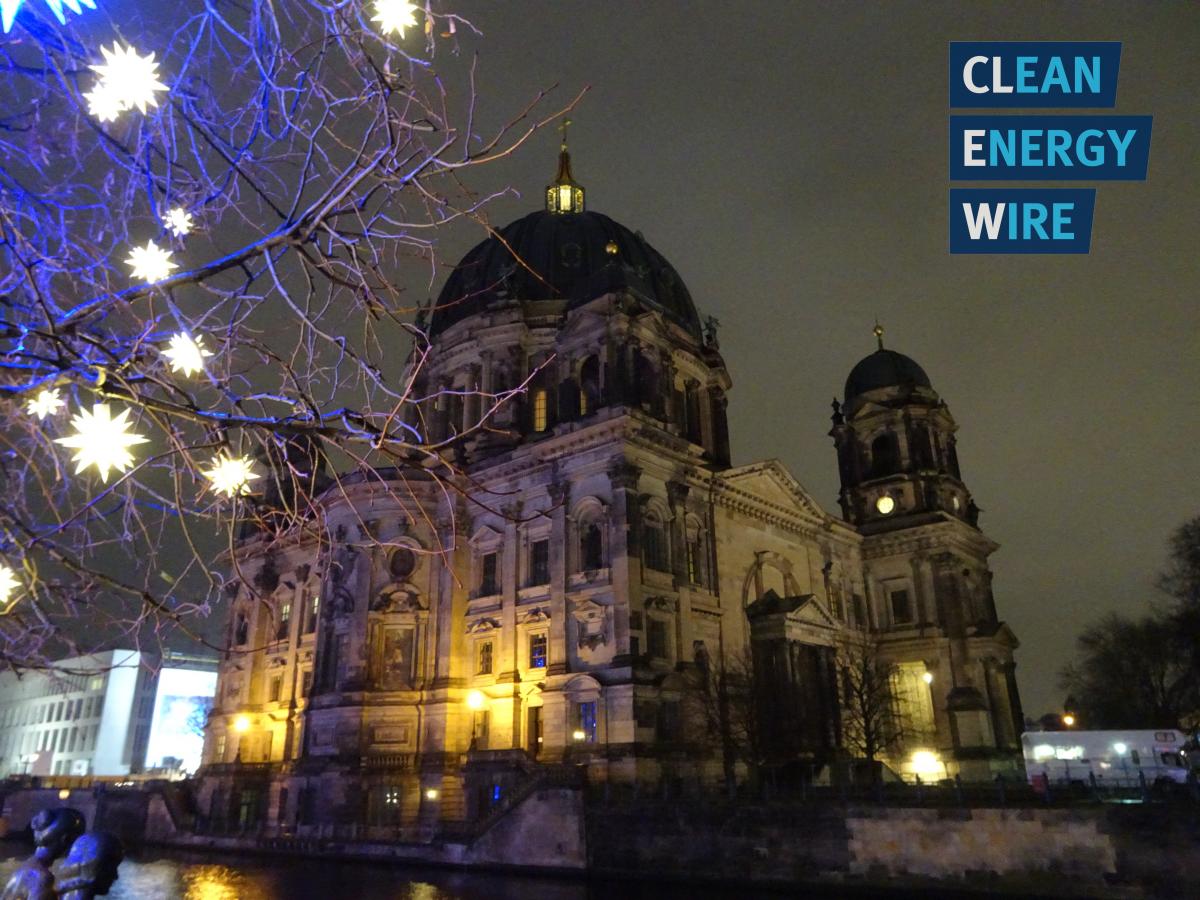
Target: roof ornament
878,332
565,195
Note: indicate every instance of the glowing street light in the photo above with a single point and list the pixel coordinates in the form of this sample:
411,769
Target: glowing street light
578,734
241,724
927,677
431,793
476,700
1068,719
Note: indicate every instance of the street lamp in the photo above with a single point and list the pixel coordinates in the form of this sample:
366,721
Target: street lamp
241,724
475,700
927,677
475,703
1068,719
578,734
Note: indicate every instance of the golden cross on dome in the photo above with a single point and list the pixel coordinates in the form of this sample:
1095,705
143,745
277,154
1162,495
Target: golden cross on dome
565,195
566,123
878,332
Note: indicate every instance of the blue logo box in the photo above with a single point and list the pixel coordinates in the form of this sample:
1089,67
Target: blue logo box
1034,74
1021,220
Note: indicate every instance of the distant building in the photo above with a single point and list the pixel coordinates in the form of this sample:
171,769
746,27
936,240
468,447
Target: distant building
99,714
600,550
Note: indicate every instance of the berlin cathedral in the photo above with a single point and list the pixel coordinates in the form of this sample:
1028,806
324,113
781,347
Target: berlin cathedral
599,558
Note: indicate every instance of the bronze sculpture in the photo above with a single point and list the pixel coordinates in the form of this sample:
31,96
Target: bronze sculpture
54,830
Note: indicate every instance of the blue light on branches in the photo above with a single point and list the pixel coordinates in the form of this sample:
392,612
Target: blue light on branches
9,8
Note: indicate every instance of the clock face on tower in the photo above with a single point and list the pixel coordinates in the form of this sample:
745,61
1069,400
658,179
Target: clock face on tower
884,505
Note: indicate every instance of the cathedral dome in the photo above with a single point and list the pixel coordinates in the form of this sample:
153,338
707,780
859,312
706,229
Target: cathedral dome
884,369
573,256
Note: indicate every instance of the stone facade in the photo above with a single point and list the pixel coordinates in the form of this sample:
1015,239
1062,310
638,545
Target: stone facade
587,549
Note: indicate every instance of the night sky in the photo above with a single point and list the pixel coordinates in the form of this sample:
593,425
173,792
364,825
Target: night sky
790,160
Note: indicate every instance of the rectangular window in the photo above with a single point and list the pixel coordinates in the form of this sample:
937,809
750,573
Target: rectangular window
383,807
537,651
314,607
541,410
306,681
901,607
539,562
587,721
693,561
285,617
656,638
219,750
485,658
275,690
655,540
489,580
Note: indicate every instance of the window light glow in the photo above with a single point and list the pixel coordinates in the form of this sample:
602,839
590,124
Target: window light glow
431,793
1043,751
578,734
101,440
46,403
1120,748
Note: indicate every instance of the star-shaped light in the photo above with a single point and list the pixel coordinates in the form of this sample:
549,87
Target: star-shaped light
127,80
230,475
186,354
395,15
151,263
103,103
101,440
179,221
8,10
46,403
9,585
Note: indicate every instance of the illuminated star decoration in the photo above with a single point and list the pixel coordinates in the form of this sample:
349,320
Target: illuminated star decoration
46,403
230,475
179,221
151,263
127,81
101,441
186,354
395,15
8,9
8,587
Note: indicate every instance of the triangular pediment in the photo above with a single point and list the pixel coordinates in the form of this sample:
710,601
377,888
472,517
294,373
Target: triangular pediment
772,482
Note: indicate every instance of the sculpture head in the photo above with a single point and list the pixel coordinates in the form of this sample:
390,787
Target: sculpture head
91,866
54,830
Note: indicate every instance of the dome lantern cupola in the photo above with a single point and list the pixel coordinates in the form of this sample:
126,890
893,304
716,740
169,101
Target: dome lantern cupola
565,195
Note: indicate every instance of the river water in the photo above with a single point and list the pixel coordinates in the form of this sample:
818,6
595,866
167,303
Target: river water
181,876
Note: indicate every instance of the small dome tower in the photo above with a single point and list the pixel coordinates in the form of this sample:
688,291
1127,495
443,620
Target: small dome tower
896,446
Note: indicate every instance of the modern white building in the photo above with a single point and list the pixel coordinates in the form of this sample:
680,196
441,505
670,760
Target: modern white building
97,714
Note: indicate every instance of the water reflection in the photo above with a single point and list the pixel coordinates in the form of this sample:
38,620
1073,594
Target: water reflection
182,876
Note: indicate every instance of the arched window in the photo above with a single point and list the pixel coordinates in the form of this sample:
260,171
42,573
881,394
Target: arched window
646,384
589,386
241,631
691,412
885,458
920,449
697,552
591,546
654,542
